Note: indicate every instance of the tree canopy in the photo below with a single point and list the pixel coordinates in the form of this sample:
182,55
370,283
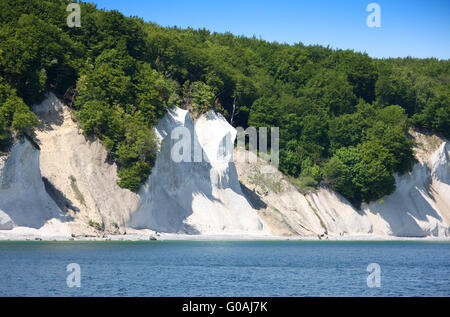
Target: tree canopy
343,116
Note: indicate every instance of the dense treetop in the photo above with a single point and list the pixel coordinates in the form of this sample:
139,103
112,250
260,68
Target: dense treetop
343,116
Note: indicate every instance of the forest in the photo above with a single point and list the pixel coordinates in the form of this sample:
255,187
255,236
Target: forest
343,116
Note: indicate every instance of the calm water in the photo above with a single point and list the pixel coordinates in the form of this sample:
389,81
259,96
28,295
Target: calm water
183,268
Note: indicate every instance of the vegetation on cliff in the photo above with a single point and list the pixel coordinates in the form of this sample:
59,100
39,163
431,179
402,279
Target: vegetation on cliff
343,116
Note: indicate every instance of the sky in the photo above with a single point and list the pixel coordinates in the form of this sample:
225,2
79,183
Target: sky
408,28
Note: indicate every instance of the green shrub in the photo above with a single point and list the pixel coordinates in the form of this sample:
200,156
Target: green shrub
95,225
133,176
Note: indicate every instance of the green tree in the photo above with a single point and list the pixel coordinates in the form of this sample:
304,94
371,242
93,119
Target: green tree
198,97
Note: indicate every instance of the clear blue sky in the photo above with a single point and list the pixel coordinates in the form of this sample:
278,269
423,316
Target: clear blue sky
408,27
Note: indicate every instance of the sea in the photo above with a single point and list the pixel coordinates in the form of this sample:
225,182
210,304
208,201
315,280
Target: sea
225,268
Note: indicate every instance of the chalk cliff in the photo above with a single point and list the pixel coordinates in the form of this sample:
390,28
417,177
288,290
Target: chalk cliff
419,207
64,184
201,195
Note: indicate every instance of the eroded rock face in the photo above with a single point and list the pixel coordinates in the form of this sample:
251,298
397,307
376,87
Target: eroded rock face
69,182
5,221
420,204
419,207
24,201
78,175
198,196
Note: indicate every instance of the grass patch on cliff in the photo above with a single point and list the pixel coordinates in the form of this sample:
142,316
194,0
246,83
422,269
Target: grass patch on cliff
304,184
266,182
78,195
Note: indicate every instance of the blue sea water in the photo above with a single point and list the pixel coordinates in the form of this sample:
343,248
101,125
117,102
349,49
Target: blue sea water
224,268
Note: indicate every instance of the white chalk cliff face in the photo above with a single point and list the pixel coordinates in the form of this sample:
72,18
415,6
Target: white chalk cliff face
419,207
200,195
24,202
78,174
58,189
65,184
5,221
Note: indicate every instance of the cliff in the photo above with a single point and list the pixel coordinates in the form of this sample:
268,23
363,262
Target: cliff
419,207
200,196
68,186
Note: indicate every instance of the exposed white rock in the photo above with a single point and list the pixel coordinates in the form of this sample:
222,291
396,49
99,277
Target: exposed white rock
24,201
420,204
5,221
285,210
75,183
57,190
439,163
201,196
337,215
419,207
78,174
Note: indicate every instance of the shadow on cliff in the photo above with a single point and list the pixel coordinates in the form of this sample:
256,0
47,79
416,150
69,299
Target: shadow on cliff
50,113
253,199
23,196
407,205
59,198
168,195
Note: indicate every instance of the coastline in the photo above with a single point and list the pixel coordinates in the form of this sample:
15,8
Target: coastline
4,236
